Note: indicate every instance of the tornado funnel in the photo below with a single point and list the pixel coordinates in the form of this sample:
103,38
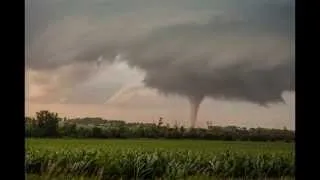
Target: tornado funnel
195,102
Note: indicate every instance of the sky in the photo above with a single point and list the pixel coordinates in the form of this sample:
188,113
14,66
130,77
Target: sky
138,60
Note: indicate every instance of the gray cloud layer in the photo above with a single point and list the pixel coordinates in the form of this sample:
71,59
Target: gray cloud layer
220,49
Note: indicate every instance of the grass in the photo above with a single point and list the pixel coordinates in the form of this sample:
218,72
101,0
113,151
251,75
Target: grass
151,144
157,159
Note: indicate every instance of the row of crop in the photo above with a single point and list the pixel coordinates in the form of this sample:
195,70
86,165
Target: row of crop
138,164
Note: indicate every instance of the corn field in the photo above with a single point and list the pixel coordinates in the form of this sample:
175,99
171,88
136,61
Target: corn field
156,164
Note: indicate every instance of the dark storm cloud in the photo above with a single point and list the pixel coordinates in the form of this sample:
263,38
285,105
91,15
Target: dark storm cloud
244,52
248,56
37,13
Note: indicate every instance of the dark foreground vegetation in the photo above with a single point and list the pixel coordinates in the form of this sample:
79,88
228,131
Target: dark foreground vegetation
138,164
48,124
158,159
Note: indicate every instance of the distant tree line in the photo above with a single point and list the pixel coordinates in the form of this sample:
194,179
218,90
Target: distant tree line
48,124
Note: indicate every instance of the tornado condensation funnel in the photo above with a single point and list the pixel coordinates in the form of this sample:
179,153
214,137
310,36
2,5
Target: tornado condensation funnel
195,102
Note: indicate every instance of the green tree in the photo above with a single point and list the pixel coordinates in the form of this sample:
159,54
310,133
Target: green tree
97,132
48,123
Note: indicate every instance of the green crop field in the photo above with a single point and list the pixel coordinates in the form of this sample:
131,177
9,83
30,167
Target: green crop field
151,144
158,159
